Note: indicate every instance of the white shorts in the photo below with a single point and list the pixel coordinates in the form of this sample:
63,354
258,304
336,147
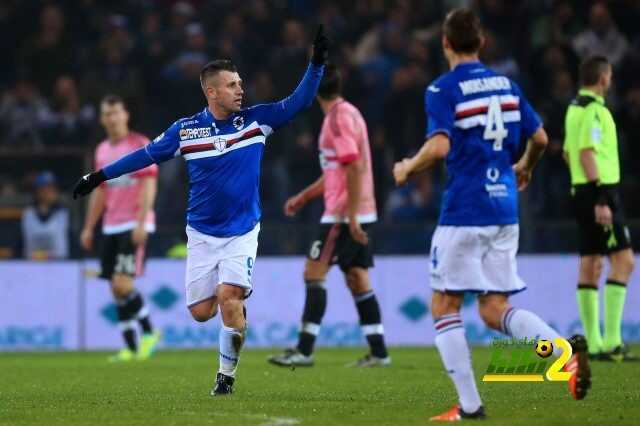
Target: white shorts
212,261
479,259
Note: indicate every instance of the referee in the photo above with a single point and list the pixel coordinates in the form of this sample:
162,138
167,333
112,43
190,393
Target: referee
591,151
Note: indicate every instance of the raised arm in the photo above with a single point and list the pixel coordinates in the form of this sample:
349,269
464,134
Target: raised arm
279,113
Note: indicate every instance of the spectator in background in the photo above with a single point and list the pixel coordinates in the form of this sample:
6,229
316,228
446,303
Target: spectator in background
548,192
24,115
382,161
602,38
45,224
181,14
496,56
48,54
182,89
291,55
152,54
113,73
72,120
559,26
548,62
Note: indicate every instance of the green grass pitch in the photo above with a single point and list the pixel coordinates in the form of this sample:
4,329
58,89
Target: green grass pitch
173,389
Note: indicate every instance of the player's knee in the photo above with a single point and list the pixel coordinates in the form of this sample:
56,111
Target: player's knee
230,301
491,316
200,315
445,304
204,311
358,280
591,269
623,264
491,311
121,285
313,271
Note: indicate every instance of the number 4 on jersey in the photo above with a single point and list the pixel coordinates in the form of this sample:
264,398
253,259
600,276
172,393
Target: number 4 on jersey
494,129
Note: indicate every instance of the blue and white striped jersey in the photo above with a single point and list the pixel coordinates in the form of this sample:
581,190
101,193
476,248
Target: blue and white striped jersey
485,117
223,159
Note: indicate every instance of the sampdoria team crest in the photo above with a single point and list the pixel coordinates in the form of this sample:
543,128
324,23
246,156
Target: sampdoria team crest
238,122
220,144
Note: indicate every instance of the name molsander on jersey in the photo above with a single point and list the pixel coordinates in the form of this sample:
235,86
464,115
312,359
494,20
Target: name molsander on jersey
485,117
223,158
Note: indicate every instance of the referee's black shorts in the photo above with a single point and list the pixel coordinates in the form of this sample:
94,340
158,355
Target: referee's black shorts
593,238
335,245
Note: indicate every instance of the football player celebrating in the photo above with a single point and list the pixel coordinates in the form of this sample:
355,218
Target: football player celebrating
223,148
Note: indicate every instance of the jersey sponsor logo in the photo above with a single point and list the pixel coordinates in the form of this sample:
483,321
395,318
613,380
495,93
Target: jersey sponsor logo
238,122
493,174
486,84
433,89
196,133
495,189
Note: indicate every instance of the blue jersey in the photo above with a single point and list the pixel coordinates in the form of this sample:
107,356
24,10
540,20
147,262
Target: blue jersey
485,117
223,159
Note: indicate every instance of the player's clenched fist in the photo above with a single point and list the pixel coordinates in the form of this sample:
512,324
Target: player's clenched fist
88,183
401,171
320,47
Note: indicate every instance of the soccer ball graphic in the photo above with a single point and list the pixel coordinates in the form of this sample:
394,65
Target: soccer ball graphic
544,348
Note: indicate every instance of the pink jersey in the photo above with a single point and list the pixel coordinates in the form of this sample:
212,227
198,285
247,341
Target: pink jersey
122,195
344,139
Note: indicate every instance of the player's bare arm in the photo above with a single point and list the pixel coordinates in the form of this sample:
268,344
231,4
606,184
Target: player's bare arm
434,150
147,199
295,203
536,146
354,189
95,210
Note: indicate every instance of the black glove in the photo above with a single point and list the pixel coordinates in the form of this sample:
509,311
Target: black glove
88,183
320,47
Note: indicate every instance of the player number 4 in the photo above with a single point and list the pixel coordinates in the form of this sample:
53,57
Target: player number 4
494,129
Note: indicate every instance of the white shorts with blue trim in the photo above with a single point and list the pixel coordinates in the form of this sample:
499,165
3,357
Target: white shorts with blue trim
212,261
480,259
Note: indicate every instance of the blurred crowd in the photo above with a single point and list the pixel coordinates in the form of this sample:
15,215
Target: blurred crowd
61,57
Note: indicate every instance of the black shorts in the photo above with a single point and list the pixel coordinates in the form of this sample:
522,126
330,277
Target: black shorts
120,256
595,239
334,245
